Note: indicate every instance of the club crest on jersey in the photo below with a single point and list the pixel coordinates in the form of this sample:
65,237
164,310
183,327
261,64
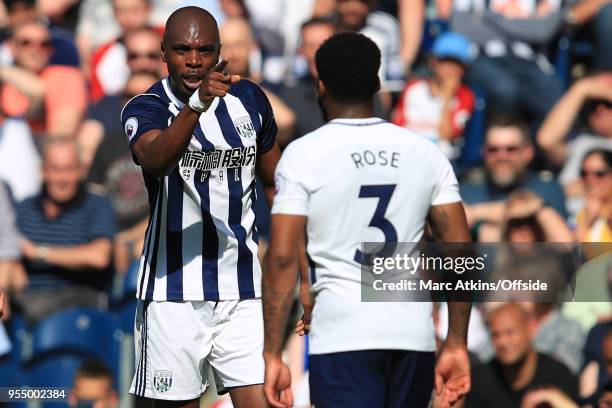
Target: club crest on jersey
162,380
245,127
131,126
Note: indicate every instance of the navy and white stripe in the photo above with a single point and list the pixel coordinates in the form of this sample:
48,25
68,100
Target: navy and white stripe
201,243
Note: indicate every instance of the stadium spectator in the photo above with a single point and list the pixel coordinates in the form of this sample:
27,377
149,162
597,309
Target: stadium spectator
555,334
108,65
593,96
143,54
593,220
12,275
439,107
34,88
238,46
93,387
507,153
114,173
512,38
548,397
383,29
528,219
605,400
143,51
64,51
302,96
517,366
67,234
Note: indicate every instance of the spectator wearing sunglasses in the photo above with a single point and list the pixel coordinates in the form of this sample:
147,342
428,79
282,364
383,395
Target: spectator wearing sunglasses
507,153
142,54
566,135
52,97
593,220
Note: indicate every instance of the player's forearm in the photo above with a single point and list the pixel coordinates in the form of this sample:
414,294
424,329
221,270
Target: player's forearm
160,155
278,282
458,321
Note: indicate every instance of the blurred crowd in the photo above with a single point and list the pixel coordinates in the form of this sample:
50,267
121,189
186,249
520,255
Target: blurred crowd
516,93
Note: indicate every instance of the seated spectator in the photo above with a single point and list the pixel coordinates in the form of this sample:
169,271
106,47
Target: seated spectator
143,52
527,219
592,94
596,16
12,275
555,334
439,107
238,46
108,65
114,173
593,221
302,96
507,153
512,38
93,387
383,29
516,367
64,51
53,97
67,237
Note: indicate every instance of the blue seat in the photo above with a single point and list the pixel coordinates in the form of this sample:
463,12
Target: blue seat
10,364
473,136
62,341
125,285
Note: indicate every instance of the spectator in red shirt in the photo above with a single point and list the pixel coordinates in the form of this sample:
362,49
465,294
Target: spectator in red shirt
439,107
52,97
109,70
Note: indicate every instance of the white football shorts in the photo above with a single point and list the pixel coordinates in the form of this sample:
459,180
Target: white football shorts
176,342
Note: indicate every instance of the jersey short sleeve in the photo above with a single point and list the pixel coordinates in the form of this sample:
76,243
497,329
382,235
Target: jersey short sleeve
292,193
267,135
447,187
141,114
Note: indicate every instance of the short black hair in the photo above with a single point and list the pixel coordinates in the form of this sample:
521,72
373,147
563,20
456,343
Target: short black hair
94,369
510,121
348,65
606,156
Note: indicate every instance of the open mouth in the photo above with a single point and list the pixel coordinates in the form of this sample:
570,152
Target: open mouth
192,82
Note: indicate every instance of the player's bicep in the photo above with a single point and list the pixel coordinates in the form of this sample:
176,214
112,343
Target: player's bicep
141,147
448,222
287,234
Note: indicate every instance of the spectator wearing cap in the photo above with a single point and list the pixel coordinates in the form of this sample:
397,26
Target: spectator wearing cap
439,107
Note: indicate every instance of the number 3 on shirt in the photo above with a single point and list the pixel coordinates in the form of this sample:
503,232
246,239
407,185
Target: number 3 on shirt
383,192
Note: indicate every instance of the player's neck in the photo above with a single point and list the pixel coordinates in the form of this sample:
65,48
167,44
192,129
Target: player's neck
336,110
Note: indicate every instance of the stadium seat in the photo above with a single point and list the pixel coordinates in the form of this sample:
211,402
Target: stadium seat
61,342
124,286
10,364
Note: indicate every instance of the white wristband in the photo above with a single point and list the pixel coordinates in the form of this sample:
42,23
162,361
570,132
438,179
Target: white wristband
195,103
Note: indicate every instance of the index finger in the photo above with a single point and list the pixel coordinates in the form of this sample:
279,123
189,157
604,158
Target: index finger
220,67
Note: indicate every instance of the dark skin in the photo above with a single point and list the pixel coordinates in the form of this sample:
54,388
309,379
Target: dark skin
191,51
283,260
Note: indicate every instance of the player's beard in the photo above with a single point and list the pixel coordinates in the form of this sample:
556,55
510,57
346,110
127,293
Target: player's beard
322,108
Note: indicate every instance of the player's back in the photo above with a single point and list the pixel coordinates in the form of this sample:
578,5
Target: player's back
367,181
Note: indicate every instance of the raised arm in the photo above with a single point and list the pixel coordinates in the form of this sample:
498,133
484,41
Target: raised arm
159,151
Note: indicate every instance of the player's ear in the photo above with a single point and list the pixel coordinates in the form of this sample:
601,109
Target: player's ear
163,52
321,87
